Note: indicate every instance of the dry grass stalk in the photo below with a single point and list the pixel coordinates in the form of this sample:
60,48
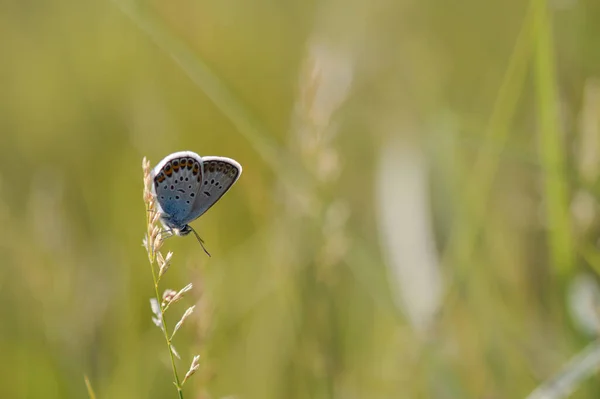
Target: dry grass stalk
159,265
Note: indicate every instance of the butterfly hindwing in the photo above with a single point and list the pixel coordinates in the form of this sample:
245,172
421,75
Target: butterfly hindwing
218,175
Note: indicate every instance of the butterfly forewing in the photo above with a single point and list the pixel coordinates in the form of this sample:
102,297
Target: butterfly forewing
218,175
177,180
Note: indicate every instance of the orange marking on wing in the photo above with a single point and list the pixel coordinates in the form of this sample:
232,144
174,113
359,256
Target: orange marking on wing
168,170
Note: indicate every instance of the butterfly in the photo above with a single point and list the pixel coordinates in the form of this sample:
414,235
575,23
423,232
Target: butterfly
186,185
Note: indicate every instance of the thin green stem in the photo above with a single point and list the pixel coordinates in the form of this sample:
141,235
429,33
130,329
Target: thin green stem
88,385
166,335
152,258
551,145
477,193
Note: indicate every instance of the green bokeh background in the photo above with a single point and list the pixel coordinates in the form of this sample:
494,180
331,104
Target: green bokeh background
497,100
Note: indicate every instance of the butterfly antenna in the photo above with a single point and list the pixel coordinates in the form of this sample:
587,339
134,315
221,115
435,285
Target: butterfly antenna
200,240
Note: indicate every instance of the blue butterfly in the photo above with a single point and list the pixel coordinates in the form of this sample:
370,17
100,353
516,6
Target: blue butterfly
186,185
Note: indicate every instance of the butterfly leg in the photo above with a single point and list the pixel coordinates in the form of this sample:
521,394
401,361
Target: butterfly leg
167,233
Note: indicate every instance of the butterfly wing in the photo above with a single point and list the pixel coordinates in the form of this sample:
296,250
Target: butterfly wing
218,175
177,180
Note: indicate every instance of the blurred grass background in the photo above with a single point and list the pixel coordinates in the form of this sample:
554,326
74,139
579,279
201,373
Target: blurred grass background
417,218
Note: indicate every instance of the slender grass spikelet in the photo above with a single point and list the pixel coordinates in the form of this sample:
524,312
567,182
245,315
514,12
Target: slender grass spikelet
159,265
193,368
187,314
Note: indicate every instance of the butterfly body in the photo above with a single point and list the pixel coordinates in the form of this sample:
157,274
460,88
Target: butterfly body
186,185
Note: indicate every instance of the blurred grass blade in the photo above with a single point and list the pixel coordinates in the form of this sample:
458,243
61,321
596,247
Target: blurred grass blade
281,161
551,145
88,385
582,366
479,186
